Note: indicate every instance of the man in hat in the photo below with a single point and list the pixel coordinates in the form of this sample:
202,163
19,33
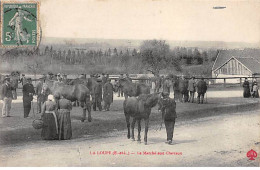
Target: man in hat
7,97
108,94
183,86
23,79
167,107
166,85
191,88
28,92
127,77
201,90
120,90
42,91
98,96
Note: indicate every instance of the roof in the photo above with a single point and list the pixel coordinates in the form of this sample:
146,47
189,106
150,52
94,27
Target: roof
251,63
249,57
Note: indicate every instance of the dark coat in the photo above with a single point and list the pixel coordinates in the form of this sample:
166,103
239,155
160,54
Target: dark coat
168,108
98,92
183,85
202,86
28,91
192,85
108,93
246,87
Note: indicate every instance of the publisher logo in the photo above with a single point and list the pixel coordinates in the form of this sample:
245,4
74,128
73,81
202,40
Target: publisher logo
251,154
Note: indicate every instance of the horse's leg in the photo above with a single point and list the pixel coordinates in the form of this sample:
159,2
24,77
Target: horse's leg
88,106
146,130
139,130
133,128
127,118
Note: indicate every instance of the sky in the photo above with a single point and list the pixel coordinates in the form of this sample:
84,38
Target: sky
182,20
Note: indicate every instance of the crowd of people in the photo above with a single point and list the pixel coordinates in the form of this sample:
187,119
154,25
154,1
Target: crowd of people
184,89
55,114
253,91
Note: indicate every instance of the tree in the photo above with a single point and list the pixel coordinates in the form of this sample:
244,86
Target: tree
154,54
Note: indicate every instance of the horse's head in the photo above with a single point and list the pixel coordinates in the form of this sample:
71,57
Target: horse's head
150,99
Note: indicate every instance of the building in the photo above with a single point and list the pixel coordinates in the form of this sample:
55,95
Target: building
236,63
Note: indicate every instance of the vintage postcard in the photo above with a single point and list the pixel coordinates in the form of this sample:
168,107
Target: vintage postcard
133,83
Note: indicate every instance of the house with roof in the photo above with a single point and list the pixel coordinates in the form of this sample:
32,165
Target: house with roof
236,63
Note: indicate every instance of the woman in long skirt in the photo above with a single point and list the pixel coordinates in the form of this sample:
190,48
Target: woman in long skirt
64,121
246,87
49,117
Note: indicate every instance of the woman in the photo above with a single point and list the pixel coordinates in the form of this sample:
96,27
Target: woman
50,124
246,87
64,121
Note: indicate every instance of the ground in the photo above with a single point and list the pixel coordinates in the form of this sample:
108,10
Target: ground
218,133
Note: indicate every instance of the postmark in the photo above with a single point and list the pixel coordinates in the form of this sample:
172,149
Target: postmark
20,23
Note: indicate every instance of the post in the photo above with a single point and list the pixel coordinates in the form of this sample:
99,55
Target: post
224,82
240,81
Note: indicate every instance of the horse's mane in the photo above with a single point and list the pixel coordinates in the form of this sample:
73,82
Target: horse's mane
149,99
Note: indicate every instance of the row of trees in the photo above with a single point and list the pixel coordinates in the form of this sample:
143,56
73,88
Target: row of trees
153,55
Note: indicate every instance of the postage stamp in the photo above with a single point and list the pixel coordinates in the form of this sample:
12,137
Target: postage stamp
19,23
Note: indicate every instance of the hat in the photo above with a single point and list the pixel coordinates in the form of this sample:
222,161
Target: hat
109,79
23,75
99,80
29,78
58,74
165,94
50,97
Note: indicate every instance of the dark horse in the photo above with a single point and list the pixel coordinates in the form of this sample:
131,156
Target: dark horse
132,89
139,108
77,92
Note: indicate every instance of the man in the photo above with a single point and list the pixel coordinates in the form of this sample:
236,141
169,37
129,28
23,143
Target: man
191,89
23,79
201,90
98,96
108,95
166,85
7,97
42,93
184,89
104,79
128,78
157,83
167,107
120,90
28,92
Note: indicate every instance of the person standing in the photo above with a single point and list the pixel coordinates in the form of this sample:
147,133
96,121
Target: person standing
42,91
28,92
167,107
183,85
176,89
98,96
246,87
158,83
64,121
254,89
128,78
108,95
201,90
120,90
23,79
49,117
191,88
7,97
166,85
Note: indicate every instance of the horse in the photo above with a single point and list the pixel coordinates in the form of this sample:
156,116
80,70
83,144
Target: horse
77,92
132,89
139,108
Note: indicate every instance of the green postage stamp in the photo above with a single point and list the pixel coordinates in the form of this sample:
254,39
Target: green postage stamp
19,23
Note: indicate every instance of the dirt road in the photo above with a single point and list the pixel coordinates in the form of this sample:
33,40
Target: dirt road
222,140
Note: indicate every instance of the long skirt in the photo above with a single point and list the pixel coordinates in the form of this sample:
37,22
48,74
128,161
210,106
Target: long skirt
246,93
49,130
64,123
